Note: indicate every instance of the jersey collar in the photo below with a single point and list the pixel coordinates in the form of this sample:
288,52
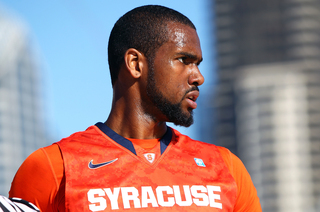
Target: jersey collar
164,141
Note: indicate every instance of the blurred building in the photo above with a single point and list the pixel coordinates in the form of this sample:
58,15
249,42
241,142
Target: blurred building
268,97
22,127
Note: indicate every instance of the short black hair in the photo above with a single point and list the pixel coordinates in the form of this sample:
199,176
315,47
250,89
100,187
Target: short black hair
143,28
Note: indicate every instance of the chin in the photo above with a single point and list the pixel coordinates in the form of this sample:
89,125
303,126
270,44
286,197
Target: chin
184,120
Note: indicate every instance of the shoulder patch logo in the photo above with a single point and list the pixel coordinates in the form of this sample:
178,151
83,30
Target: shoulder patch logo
98,165
199,162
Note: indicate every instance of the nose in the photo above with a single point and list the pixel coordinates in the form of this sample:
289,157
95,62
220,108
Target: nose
196,78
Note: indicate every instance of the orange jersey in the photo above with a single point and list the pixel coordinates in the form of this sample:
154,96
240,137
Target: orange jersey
188,175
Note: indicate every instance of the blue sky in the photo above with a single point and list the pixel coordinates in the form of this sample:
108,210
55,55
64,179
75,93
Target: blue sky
71,37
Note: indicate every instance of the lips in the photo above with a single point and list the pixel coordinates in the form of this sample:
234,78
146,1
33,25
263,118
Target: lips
191,98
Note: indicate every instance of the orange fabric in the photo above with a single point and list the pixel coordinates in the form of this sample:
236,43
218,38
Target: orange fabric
130,182
145,143
145,148
40,180
146,154
247,195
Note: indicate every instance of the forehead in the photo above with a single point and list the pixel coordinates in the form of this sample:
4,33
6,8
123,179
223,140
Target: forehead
182,36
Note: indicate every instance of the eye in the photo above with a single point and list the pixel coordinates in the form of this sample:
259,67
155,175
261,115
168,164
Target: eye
188,61
181,59
184,60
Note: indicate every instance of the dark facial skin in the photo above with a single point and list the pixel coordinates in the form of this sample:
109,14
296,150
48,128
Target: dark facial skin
174,76
148,94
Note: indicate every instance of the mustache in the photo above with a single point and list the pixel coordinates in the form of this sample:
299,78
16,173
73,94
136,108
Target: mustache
194,88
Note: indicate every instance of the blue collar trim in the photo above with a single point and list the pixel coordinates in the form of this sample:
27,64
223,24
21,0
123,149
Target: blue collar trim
164,141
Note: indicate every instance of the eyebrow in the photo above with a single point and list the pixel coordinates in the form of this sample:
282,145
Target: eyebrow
191,56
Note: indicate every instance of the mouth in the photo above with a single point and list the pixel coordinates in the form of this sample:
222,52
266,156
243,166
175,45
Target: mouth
191,97
193,94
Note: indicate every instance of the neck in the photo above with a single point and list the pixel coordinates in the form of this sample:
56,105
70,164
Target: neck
130,121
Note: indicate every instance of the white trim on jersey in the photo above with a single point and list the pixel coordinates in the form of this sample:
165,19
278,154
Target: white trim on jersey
16,205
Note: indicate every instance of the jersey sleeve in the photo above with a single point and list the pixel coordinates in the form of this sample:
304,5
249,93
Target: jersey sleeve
247,198
38,179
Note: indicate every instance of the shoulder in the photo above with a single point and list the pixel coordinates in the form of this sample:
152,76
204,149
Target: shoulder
231,160
82,136
177,136
41,158
39,177
226,154
45,158
44,162
247,198
234,164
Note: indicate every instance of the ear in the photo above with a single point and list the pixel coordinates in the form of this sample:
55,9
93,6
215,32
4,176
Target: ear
135,62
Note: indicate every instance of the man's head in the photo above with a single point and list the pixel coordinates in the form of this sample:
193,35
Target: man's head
143,28
168,45
174,76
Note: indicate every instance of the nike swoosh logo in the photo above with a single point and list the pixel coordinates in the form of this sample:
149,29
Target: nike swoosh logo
95,166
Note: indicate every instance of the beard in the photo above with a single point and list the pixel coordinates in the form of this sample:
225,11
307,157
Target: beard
172,111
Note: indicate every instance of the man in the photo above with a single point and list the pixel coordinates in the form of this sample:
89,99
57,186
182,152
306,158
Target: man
133,160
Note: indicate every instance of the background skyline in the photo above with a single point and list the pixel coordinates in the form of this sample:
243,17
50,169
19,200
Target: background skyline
71,39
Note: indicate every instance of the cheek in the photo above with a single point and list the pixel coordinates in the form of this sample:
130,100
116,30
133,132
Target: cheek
171,80
176,87
175,92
